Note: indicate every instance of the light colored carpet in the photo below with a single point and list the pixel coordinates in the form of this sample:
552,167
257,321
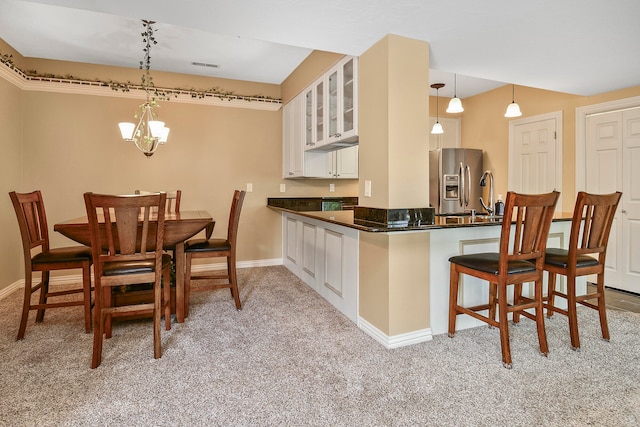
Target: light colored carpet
289,358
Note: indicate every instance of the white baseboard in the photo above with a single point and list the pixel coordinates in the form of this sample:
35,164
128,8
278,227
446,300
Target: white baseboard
75,278
395,341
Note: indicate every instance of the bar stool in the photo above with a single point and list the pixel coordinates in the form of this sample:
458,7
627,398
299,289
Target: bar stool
590,228
531,219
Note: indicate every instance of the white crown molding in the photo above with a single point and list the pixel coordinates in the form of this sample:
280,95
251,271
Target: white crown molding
82,87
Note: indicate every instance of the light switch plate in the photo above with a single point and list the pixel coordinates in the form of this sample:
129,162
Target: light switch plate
283,188
249,187
367,188
332,188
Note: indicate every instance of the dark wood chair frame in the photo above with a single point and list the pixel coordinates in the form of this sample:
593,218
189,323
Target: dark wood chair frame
209,248
590,229
32,220
127,249
173,199
531,220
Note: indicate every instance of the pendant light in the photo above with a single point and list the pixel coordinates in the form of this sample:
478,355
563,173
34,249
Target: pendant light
437,127
513,109
455,105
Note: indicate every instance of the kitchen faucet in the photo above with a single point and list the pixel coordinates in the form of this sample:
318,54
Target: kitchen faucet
483,182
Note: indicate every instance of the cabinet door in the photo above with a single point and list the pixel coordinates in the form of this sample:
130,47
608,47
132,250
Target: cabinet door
346,161
349,118
292,138
309,115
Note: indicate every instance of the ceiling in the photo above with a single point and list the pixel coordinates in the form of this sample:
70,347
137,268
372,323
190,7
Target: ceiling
581,47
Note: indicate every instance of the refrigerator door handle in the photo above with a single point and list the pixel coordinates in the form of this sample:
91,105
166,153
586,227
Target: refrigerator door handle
461,190
467,194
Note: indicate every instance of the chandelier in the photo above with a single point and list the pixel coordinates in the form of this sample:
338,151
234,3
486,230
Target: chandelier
149,133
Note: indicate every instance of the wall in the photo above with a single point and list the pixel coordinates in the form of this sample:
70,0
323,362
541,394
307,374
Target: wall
11,172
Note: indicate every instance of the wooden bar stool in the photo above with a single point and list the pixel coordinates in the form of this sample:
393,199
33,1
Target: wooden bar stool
531,217
590,228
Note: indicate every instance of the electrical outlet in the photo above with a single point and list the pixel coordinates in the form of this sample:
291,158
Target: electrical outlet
332,188
283,188
367,189
249,187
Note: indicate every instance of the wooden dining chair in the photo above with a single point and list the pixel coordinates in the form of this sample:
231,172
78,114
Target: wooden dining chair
173,199
209,248
590,228
34,231
127,249
528,230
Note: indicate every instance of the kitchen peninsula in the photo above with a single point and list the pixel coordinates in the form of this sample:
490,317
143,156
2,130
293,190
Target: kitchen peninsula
321,248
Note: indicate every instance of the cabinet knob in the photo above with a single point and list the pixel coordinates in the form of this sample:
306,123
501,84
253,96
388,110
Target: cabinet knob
290,173
623,211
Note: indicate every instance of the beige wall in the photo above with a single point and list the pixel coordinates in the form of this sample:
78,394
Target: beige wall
10,178
393,116
66,144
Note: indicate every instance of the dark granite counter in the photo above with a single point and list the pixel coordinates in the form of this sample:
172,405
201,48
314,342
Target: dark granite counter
346,219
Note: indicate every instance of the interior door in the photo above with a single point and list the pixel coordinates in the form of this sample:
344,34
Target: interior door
612,160
533,161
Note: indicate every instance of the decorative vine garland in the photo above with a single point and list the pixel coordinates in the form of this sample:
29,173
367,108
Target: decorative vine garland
159,93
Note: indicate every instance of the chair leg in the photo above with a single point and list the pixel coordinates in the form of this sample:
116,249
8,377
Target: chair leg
542,334
493,301
551,294
602,310
233,280
98,329
106,302
517,297
25,305
157,312
86,286
44,293
167,299
572,311
187,284
504,326
454,276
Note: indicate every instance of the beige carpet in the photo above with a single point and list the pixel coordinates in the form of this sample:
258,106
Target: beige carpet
289,358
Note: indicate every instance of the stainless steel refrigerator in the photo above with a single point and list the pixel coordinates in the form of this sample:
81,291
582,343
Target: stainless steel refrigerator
454,180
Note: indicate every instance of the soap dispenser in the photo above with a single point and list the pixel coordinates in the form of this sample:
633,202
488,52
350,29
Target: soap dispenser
499,208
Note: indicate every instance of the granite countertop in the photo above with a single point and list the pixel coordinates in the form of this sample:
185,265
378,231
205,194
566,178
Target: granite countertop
346,218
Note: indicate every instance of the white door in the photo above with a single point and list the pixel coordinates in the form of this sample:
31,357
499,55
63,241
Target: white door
534,155
612,159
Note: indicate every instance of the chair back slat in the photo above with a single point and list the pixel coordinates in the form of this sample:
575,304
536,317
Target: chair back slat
531,220
592,220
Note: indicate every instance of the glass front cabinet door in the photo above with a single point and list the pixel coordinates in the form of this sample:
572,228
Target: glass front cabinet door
342,93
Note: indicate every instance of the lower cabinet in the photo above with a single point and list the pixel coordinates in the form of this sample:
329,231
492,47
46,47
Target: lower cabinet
325,257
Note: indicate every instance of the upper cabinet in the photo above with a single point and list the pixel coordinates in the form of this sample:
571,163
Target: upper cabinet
331,109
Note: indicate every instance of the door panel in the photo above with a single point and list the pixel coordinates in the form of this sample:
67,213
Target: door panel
535,153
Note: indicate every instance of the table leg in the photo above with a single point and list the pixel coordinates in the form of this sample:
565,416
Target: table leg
179,260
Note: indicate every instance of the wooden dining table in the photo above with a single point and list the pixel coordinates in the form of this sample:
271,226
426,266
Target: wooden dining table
178,227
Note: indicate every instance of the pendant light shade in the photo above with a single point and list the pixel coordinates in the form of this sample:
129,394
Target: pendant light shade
437,127
513,109
455,105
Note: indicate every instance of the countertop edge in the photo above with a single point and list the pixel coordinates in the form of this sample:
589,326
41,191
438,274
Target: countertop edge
323,216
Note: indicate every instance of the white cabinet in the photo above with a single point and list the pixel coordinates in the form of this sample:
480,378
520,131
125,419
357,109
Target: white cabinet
332,108
325,257
338,164
292,149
